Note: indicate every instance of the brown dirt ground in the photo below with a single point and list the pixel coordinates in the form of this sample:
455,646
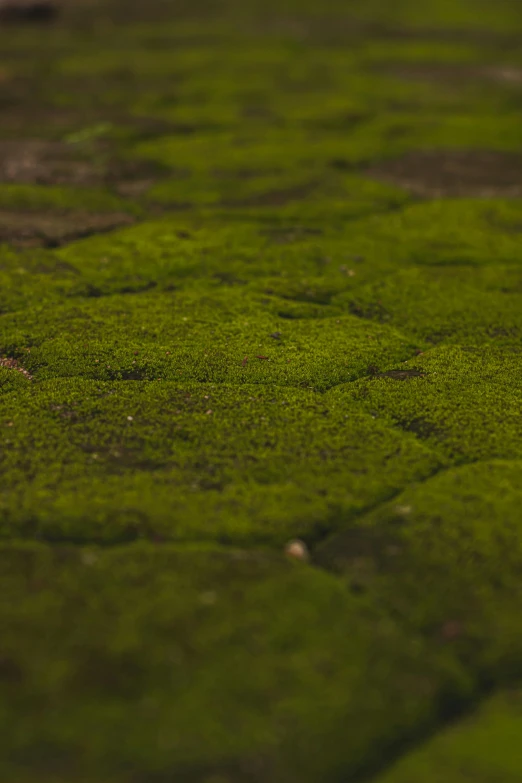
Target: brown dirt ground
435,173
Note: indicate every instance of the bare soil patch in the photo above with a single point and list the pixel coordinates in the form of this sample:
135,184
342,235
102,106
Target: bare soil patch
454,74
46,163
50,229
31,161
13,11
13,364
435,173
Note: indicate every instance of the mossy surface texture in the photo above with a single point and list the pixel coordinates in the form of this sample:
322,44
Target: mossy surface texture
261,279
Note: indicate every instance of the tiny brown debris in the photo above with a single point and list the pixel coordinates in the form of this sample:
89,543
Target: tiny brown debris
451,630
348,272
298,550
12,364
510,75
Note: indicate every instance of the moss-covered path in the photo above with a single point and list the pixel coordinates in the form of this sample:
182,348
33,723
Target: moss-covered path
260,279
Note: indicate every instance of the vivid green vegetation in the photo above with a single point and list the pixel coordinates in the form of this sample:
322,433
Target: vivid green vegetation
260,279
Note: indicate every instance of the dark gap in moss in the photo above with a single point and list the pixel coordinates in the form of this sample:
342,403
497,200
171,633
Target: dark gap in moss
282,236
373,311
273,198
421,428
450,708
315,297
342,122
327,549
401,375
228,278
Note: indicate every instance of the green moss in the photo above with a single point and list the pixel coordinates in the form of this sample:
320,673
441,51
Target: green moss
196,663
24,280
280,194
314,331
462,400
441,233
45,197
10,380
482,747
467,16
461,304
443,556
221,337
394,132
248,463
297,255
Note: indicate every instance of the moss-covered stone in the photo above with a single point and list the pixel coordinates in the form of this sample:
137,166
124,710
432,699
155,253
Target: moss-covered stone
89,460
200,664
462,400
311,329
483,747
444,551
